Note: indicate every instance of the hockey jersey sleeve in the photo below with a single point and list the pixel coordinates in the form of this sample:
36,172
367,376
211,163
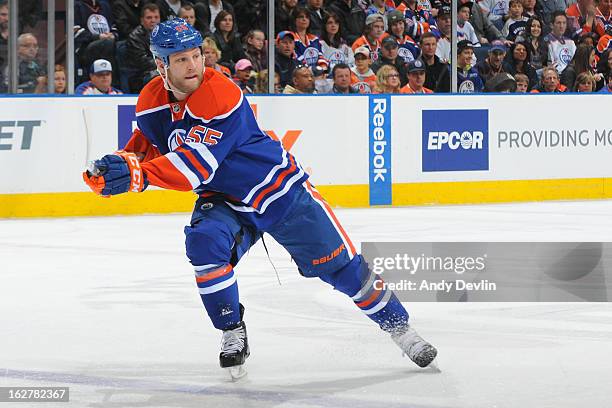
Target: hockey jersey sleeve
141,146
196,161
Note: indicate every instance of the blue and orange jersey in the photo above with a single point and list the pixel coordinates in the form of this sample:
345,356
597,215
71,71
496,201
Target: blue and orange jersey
211,143
418,21
408,50
309,52
604,43
374,47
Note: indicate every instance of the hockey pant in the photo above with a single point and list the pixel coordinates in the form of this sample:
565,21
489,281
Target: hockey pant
217,238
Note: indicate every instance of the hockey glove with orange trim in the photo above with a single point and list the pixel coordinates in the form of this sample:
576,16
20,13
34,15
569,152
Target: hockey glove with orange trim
116,173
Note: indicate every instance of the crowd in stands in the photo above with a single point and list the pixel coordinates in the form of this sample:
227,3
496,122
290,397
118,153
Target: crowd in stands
338,46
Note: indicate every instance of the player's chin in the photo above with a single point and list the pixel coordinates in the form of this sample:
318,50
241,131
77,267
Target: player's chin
192,83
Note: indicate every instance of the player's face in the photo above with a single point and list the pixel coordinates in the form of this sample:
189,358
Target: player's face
60,81
429,46
150,20
398,28
416,79
188,15
186,70
102,80
521,87
536,28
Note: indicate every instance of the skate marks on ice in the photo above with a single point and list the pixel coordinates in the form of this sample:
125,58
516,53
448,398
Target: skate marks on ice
112,391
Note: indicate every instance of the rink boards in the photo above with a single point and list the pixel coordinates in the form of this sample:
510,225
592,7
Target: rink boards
359,150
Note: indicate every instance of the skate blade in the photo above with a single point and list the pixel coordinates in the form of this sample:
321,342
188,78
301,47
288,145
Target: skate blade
236,372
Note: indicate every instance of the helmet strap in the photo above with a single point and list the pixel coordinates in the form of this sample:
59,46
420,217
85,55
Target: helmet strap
166,79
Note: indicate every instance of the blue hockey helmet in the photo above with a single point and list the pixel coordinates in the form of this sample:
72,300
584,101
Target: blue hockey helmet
173,36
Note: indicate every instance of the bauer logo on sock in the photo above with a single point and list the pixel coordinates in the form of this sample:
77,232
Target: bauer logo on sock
455,140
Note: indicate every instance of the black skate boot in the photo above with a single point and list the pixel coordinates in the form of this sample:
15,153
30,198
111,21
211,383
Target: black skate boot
413,345
235,349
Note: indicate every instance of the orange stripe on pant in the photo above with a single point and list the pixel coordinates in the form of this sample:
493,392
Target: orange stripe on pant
278,182
369,300
318,196
224,270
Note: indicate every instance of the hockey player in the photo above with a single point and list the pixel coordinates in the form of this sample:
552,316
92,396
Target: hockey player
197,132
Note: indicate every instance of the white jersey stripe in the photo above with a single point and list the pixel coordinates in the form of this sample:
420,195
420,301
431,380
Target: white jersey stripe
156,109
207,156
266,180
218,286
281,193
200,268
182,167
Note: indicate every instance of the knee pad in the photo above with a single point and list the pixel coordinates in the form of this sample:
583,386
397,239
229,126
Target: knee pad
209,242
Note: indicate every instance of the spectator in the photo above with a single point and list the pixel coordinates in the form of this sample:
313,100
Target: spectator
605,42
518,62
317,15
433,66
243,77
465,31
227,39
30,71
418,17
255,49
285,60
140,59
581,17
522,83
307,46
530,8
187,13
501,83
549,7
59,80
323,84
168,9
604,66
416,79
207,11
261,83
100,80
251,15
212,54
583,61
485,30
341,74
380,8
127,16
516,22
608,87
389,56
494,63
302,81
603,16
495,11
444,25
372,33
94,33
560,48
589,39
4,33
549,82
537,46
352,18
282,15
408,50
584,83
468,79
334,47
363,79
387,80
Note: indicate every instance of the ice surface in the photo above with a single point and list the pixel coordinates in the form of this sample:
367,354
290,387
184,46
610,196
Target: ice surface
108,307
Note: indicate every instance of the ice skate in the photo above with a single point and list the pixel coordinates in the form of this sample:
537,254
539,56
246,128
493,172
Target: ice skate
234,351
413,345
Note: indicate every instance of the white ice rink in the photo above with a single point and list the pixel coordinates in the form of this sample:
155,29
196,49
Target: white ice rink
108,307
